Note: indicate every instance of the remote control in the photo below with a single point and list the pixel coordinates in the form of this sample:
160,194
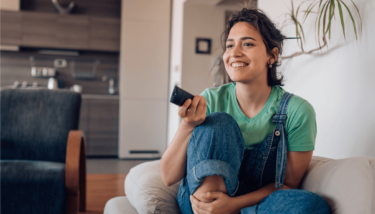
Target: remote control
179,96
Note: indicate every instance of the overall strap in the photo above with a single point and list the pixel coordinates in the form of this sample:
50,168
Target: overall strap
280,116
282,148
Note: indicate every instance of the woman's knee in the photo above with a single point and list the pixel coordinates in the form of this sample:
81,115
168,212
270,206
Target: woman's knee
220,120
219,128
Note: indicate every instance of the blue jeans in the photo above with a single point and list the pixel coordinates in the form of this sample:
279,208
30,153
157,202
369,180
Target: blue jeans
216,147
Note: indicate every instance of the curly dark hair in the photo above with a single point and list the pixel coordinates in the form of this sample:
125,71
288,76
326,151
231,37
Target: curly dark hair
271,36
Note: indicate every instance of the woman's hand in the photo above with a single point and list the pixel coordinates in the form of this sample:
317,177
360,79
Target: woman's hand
193,112
222,205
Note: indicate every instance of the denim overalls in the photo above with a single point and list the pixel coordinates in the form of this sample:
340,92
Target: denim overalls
217,147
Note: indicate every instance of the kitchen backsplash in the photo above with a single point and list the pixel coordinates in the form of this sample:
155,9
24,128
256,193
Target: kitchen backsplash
87,69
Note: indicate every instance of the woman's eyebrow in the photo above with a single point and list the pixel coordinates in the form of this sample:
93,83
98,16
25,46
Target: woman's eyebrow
243,38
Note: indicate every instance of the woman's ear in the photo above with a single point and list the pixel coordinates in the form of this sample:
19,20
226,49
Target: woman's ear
275,54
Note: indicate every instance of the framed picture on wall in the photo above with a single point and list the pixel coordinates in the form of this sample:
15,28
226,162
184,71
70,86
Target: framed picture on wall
203,46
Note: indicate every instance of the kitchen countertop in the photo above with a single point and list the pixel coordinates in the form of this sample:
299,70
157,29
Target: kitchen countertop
84,96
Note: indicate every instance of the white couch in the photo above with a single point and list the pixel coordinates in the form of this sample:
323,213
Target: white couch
347,185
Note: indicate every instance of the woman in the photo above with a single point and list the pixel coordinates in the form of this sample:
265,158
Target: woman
245,146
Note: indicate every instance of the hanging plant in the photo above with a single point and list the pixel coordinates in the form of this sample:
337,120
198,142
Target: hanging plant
326,10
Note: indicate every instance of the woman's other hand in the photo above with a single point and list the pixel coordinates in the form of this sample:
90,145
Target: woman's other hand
222,204
193,112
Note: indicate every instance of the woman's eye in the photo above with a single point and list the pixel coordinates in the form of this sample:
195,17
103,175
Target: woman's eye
229,46
248,44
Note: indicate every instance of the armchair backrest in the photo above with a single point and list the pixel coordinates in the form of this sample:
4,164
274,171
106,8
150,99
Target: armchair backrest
35,123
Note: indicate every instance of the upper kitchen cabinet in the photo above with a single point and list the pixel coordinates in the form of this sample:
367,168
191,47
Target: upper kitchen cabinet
104,33
38,29
72,31
11,27
49,30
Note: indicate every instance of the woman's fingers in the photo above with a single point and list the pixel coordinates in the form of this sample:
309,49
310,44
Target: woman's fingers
193,112
202,107
193,106
183,109
197,207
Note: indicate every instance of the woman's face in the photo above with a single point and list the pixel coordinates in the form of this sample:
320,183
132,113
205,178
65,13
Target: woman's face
245,58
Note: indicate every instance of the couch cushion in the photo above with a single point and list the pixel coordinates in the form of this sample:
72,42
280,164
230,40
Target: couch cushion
146,191
119,205
347,185
32,187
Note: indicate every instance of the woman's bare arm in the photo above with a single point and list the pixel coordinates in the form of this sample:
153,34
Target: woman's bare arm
173,161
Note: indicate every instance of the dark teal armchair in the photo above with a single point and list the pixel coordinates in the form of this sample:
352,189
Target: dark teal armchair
43,165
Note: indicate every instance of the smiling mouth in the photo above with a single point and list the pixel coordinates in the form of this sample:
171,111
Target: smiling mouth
239,64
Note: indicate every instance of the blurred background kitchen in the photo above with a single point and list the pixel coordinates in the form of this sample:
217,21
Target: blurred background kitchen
83,45
44,44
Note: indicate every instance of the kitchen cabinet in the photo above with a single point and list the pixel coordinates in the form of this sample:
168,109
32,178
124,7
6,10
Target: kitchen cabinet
99,122
104,33
11,27
49,30
38,29
72,31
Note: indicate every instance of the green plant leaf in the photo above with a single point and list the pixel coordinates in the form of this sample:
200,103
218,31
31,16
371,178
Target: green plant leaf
296,20
341,18
303,34
320,3
360,18
320,16
325,15
309,9
330,18
296,24
355,29
298,10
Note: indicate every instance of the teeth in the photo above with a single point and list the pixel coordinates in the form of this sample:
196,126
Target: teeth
238,64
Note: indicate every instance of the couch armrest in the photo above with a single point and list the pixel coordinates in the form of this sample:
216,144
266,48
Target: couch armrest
347,185
75,172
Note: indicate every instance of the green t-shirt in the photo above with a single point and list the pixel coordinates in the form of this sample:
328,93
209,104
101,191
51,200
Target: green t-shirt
300,123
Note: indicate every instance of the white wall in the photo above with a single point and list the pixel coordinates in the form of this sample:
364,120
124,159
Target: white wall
193,19
201,21
339,83
175,64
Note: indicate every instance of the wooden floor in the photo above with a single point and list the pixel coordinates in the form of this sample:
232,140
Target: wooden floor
101,188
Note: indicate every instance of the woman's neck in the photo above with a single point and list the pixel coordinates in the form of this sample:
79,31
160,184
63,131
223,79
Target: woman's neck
252,97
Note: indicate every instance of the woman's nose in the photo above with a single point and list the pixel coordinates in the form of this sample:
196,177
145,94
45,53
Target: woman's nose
236,52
